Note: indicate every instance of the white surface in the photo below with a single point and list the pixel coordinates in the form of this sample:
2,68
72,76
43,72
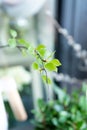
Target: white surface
3,116
7,84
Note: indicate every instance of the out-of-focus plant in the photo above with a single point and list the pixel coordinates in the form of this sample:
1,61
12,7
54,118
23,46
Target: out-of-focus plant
66,113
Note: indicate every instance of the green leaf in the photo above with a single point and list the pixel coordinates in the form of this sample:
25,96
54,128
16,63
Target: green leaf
23,42
56,62
42,52
46,79
70,128
35,66
40,46
41,49
79,124
13,33
84,126
12,42
50,66
83,102
60,93
58,107
42,105
64,115
55,121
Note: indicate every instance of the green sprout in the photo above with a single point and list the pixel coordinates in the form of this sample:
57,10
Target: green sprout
44,61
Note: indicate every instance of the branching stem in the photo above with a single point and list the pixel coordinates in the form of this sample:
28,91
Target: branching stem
18,46
42,60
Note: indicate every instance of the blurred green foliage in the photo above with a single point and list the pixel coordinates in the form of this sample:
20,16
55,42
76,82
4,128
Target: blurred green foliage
68,112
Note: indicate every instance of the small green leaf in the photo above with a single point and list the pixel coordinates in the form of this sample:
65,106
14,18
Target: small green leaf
55,121
35,66
50,66
13,33
56,62
41,49
12,42
42,105
42,52
40,46
64,113
46,79
23,42
79,124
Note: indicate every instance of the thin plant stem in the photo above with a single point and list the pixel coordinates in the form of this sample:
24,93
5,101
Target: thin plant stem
45,73
18,46
48,94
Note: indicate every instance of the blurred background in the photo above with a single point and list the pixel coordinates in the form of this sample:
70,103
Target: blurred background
20,86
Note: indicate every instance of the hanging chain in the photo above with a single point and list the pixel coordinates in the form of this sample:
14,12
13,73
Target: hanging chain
66,78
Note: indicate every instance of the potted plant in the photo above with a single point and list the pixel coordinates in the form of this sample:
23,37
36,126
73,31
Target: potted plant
65,113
